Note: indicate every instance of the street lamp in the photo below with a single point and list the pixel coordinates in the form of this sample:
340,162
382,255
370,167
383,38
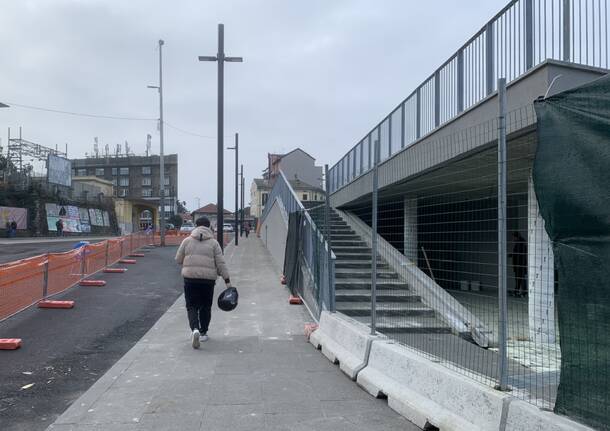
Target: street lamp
161,157
221,59
236,222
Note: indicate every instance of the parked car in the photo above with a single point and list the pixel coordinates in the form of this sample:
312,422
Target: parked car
187,226
227,227
169,226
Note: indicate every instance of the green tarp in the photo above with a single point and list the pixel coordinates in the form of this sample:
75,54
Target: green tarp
572,182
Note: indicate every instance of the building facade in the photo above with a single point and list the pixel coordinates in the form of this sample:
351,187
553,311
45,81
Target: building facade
300,170
134,177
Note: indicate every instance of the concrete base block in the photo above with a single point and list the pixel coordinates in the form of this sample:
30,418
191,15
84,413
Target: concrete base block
428,393
524,416
343,341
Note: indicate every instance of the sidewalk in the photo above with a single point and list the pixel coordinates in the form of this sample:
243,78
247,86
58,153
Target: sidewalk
256,372
46,239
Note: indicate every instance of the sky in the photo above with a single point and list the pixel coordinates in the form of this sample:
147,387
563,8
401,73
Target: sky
317,74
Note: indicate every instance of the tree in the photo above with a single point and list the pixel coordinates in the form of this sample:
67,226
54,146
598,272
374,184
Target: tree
176,220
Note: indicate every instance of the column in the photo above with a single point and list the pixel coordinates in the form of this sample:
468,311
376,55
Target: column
541,277
410,229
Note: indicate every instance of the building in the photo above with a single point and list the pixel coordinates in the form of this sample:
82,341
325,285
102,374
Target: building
300,170
92,187
210,211
295,164
134,178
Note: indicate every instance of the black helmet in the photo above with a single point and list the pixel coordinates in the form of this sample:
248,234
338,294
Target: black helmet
227,300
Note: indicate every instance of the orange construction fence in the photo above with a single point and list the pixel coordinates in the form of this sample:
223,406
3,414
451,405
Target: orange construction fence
25,282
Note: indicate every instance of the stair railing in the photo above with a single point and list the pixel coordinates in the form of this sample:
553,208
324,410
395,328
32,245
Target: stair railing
314,249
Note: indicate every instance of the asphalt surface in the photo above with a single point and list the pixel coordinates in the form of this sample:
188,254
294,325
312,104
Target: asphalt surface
17,250
65,351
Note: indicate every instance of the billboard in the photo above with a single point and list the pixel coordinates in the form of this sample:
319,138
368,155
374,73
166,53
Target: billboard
17,215
69,215
59,170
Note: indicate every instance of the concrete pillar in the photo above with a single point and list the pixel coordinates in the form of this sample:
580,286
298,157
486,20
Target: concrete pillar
410,230
541,277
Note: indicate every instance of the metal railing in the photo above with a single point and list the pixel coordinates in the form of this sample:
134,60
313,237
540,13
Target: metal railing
521,36
315,255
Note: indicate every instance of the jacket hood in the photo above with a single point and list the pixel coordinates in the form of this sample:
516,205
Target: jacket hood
201,233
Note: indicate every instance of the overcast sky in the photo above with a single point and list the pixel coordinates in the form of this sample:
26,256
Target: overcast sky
317,74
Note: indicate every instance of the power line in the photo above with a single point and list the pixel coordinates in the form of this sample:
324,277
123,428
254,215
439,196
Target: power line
80,114
188,132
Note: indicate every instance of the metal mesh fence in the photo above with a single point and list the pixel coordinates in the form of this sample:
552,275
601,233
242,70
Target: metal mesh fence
438,264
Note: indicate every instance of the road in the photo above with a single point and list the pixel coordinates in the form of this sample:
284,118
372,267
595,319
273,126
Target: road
21,248
65,351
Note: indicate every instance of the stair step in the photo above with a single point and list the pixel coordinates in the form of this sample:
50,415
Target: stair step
347,243
354,256
364,273
352,249
408,325
359,264
362,295
386,309
365,283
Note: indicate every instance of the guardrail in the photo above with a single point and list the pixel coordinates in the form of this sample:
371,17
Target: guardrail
521,36
313,249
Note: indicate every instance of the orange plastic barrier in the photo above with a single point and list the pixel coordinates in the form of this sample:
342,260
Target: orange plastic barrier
26,282
21,284
46,303
10,343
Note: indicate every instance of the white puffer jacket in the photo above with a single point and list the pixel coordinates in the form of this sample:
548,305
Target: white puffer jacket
201,256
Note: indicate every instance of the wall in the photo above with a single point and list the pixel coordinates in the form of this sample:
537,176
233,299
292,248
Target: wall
273,233
300,164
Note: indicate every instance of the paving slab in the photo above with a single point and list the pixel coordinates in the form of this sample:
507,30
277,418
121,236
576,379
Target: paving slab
257,371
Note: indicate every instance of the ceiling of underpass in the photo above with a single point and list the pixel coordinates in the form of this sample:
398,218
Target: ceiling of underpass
474,176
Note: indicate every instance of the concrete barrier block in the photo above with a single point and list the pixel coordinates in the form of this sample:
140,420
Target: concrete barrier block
428,393
344,341
523,416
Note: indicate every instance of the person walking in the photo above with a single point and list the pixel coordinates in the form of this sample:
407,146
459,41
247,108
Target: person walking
519,258
59,225
202,262
13,228
247,229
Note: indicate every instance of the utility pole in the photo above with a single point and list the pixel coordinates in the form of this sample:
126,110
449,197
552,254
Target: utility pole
241,218
221,59
235,221
161,157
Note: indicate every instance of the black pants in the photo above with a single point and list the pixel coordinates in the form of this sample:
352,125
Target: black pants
199,295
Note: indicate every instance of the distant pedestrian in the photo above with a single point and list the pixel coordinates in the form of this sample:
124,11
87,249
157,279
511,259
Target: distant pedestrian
13,228
519,258
59,225
8,229
247,229
202,262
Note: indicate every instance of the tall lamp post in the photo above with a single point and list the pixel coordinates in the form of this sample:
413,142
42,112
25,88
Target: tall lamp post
220,58
241,219
236,221
4,105
161,158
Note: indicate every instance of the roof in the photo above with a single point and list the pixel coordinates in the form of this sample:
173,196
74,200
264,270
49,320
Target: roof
297,184
281,156
210,209
262,183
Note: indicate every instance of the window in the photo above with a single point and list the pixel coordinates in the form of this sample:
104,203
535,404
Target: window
99,172
166,181
304,196
167,192
146,181
124,181
114,182
123,193
146,193
264,198
124,171
145,170
114,171
81,173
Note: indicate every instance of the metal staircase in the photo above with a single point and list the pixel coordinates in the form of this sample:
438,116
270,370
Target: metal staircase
399,309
